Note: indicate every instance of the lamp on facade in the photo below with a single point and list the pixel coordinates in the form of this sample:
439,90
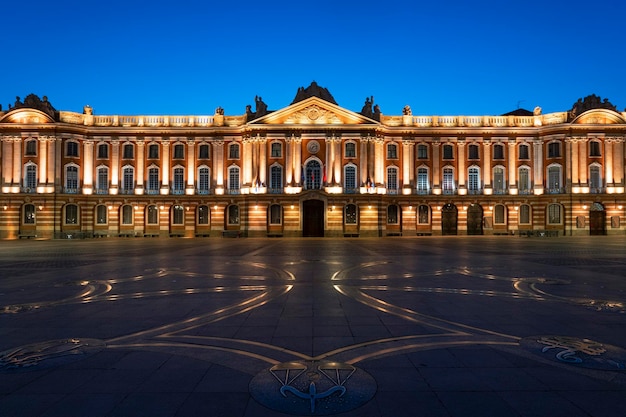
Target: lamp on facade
40,207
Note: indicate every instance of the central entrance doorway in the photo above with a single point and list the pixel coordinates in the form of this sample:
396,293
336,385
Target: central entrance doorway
313,218
449,220
474,220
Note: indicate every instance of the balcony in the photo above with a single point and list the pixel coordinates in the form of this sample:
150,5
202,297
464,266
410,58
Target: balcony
70,190
555,190
277,190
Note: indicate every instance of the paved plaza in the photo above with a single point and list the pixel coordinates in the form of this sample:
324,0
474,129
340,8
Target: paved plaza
233,327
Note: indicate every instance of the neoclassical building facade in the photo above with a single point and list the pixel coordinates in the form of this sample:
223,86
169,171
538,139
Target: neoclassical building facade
311,168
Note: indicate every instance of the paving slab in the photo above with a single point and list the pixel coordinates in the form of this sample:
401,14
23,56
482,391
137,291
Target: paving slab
419,326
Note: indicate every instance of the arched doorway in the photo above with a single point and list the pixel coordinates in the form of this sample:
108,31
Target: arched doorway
449,215
597,220
474,219
313,218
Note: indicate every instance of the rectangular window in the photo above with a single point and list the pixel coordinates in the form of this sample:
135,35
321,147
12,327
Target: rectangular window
392,151
523,152
31,148
128,183
101,214
71,214
153,180
554,150
276,214
153,151
203,215
204,152
498,152
276,151
448,181
179,151
473,152
127,215
422,180
422,152
103,151
423,214
350,150
153,215
72,149
524,214
128,151
554,214
233,151
594,149
448,152
203,180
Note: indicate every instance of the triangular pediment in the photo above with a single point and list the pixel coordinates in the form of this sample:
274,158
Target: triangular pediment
313,111
599,117
26,116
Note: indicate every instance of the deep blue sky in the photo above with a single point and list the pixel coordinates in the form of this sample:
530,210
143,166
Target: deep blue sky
188,57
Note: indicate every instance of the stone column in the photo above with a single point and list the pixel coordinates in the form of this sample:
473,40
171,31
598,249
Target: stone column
406,164
263,161
512,168
50,144
297,154
487,165
337,159
17,161
379,163
43,160
363,160
139,189
461,165
87,166
538,166
115,166
618,161
165,168
191,166
289,161
582,162
328,163
246,155
572,145
436,171
608,161
218,163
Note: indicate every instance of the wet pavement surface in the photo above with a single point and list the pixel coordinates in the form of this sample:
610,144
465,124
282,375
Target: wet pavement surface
428,326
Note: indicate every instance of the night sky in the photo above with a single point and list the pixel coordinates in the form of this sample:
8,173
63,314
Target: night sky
189,57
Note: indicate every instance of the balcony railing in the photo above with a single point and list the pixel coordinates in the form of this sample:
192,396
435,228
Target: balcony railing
70,190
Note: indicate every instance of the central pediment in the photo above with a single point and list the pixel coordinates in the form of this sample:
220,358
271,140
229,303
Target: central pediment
313,111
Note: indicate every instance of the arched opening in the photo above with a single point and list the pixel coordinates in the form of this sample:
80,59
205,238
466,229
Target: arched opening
474,219
597,220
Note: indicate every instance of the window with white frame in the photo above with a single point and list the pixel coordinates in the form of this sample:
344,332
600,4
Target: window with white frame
595,178
178,215
127,214
523,152
29,214
422,151
30,147
71,149
204,180
393,214
392,179
203,151
448,151
554,214
523,180
276,178
153,180
392,151
233,214
233,178
448,180
233,151
554,179
349,178
152,215
128,151
276,150
473,180
350,213
423,185
30,177
499,184
204,214
178,185
276,214
554,150
71,214
499,214
350,150
71,178
153,151
524,214
423,214
179,151
101,214
128,179
103,151
102,180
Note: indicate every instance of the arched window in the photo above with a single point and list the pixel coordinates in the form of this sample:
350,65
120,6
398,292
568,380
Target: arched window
152,214
233,214
30,148
350,150
524,153
102,180
554,179
422,151
276,214
71,179
178,215
101,214
204,214
153,151
498,152
313,175
29,214
128,180
127,214
499,214
128,151
204,180
103,151
499,184
30,177
448,180
423,214
472,152
423,184
595,178
473,180
178,185
524,214
276,150
233,151
204,151
276,179
71,214
392,180
349,179
393,214
523,180
179,151
554,214
350,213
392,151
233,180
153,180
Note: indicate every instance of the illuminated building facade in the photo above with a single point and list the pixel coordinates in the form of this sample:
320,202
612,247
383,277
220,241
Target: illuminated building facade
311,168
